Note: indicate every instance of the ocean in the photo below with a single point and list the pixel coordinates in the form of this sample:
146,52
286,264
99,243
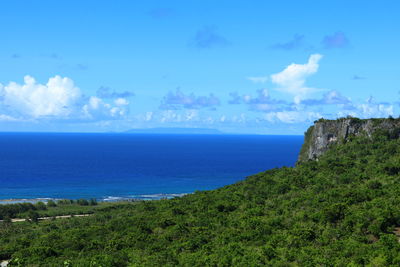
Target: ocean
133,166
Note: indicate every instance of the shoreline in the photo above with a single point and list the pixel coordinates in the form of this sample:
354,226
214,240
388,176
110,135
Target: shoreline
101,199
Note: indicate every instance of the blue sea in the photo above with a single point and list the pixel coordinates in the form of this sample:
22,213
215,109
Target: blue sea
133,166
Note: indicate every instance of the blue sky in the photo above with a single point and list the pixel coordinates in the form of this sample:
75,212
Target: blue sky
270,67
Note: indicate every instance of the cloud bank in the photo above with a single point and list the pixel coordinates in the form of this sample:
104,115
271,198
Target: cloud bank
58,99
107,92
178,100
55,98
262,102
330,98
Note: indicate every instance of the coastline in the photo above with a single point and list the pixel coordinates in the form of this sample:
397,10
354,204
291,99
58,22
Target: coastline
26,200
143,197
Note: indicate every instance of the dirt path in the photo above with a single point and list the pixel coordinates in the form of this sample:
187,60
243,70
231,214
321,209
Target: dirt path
49,218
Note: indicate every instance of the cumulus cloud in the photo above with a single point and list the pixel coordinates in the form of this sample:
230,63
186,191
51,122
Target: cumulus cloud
292,79
196,118
170,116
149,116
96,108
235,98
107,92
296,42
336,40
177,100
178,118
207,37
330,98
55,98
263,97
292,116
369,109
121,102
58,99
262,102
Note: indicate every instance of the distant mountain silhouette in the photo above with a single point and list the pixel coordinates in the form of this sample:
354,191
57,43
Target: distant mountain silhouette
176,131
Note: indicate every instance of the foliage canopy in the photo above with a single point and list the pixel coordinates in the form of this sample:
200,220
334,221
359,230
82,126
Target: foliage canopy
340,210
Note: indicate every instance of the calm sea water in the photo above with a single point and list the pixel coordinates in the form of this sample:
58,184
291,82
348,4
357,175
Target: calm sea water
112,166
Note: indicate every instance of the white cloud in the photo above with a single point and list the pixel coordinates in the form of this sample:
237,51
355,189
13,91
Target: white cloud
334,97
239,118
261,79
330,98
180,116
178,99
262,102
56,98
191,115
121,102
148,116
170,116
369,109
293,78
292,116
96,108
59,98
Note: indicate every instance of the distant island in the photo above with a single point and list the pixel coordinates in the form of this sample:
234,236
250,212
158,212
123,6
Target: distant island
175,131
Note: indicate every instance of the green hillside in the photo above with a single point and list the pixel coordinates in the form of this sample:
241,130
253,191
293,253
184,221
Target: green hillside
341,210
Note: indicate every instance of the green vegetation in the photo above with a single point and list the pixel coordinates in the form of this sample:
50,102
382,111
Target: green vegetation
61,207
355,120
341,210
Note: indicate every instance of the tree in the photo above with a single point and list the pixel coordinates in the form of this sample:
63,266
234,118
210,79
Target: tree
51,203
41,206
33,216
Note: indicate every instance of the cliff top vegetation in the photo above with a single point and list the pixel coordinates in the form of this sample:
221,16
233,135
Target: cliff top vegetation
342,210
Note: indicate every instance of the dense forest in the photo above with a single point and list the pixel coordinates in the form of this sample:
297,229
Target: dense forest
342,210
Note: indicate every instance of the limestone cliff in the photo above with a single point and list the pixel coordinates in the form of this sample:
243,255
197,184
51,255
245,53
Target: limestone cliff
323,133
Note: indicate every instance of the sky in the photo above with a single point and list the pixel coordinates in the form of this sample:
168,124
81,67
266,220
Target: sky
251,67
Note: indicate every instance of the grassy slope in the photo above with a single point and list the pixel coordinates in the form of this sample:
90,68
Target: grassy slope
338,211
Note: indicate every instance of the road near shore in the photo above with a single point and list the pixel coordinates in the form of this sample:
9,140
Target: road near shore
49,218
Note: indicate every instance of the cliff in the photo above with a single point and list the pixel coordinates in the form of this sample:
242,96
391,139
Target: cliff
319,137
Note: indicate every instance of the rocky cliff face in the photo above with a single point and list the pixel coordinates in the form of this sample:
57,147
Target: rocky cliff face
319,137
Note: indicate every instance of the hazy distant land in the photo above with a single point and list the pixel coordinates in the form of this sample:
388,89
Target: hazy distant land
169,130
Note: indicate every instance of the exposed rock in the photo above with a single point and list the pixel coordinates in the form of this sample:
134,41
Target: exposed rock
323,133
